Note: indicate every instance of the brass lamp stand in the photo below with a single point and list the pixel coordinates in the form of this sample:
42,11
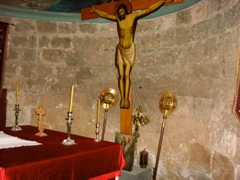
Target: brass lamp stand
167,105
108,98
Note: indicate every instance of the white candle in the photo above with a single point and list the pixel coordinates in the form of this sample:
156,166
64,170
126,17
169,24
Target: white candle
71,99
98,111
16,93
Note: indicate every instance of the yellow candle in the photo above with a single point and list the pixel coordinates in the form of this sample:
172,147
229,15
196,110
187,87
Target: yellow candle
71,99
16,93
98,111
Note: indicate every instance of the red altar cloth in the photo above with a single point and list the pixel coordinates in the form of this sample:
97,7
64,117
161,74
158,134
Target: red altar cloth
54,161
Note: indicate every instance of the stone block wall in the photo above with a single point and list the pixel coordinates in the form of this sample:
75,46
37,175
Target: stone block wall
193,53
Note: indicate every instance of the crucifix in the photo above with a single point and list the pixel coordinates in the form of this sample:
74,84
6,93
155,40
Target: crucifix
126,19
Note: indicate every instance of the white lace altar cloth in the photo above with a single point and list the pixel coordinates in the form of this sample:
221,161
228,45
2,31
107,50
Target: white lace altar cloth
7,141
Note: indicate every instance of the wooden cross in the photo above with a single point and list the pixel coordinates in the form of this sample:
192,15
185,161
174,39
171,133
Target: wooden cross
41,112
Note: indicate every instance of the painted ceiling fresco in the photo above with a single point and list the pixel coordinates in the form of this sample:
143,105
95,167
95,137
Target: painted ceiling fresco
53,5
75,10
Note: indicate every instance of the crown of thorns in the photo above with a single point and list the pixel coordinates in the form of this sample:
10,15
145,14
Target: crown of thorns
127,3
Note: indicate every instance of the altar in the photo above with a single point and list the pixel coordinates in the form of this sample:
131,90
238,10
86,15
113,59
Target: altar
52,160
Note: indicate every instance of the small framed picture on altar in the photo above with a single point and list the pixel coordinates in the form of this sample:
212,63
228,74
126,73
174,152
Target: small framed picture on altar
128,144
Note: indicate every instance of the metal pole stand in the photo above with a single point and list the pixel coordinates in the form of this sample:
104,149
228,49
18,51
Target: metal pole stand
104,123
159,147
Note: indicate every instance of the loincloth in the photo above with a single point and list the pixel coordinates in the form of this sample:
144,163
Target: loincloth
125,56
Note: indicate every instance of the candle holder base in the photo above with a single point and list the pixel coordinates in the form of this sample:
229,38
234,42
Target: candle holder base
68,142
16,128
41,134
97,131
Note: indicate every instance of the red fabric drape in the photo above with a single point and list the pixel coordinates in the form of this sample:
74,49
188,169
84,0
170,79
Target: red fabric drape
52,160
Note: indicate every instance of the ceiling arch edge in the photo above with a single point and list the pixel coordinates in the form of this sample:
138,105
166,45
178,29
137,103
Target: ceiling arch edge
76,17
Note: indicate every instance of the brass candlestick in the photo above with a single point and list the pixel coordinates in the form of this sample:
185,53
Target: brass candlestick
69,141
167,104
16,127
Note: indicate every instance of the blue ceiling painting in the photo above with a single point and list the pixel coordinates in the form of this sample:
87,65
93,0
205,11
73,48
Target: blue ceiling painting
53,5
68,10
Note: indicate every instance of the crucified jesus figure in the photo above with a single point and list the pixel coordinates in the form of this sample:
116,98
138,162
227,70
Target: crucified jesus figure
126,50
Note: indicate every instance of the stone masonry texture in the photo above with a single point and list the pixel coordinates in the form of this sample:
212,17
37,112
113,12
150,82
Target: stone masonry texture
192,53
